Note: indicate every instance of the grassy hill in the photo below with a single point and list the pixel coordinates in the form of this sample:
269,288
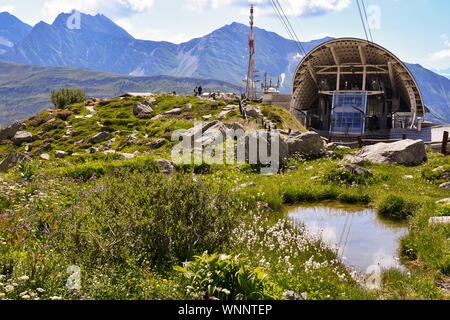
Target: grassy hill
116,116
25,90
126,225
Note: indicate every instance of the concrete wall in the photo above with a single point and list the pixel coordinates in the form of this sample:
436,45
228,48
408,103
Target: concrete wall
276,99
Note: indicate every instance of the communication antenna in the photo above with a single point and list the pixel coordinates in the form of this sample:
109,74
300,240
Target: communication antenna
250,92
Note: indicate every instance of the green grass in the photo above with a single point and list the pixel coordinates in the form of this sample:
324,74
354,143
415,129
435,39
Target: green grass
126,226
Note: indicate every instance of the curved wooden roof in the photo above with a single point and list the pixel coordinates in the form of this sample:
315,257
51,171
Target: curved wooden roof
351,52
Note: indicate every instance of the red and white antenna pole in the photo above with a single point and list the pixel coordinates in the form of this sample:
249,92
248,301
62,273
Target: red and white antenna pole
251,76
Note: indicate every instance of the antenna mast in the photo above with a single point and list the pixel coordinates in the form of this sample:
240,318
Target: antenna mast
250,92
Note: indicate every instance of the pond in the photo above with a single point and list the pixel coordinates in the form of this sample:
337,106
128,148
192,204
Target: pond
361,237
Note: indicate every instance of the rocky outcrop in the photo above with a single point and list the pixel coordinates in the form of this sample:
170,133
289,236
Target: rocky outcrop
252,143
9,132
365,173
165,166
156,144
445,186
444,201
211,133
253,112
143,109
309,143
60,154
405,151
173,112
225,111
100,137
12,160
21,137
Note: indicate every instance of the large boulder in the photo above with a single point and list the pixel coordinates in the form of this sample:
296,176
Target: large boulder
213,133
100,137
22,136
165,166
405,151
157,143
9,132
253,112
309,143
142,109
12,160
253,142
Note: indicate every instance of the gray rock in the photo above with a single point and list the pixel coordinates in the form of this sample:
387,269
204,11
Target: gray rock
445,186
365,173
439,220
405,151
252,142
166,166
293,168
60,154
143,108
45,156
444,201
291,295
309,143
235,126
12,160
22,136
128,155
253,112
156,144
100,137
9,132
175,111
209,133
208,117
248,184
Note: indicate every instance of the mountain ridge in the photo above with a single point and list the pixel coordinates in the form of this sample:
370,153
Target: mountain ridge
20,84
221,54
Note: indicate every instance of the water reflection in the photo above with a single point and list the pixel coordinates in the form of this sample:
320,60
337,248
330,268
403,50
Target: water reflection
361,237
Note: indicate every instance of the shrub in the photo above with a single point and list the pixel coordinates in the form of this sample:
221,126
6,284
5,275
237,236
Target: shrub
4,203
407,248
395,206
67,96
436,176
225,277
64,115
443,211
354,197
344,176
146,217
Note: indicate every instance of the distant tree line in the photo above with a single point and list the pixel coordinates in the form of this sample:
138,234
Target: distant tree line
67,96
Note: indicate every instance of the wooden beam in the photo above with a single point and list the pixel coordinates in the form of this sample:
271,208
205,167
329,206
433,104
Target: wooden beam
391,77
335,56
362,55
313,75
338,81
356,72
364,79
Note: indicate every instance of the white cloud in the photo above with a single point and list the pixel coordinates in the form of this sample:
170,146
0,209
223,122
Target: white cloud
8,8
52,8
290,7
153,34
442,54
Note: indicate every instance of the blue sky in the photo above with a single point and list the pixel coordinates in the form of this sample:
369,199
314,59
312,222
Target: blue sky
418,31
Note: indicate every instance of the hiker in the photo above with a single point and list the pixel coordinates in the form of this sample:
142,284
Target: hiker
196,91
200,90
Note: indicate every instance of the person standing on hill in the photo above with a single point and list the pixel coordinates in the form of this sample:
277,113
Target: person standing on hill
200,91
196,91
